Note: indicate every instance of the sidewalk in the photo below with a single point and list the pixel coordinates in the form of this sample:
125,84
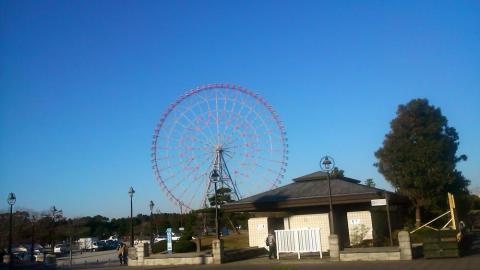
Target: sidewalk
463,263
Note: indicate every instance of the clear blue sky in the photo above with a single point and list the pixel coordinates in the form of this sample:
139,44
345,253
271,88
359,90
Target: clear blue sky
83,83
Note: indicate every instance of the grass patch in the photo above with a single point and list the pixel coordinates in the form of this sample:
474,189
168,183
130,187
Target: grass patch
232,241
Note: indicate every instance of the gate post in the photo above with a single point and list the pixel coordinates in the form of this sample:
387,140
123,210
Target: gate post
334,247
405,245
217,251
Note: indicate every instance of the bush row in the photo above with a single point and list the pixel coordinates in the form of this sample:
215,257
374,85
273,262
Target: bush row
180,246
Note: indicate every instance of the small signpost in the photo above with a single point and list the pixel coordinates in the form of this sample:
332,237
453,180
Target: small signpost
169,240
379,202
382,202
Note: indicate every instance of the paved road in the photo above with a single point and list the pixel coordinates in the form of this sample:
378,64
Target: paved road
471,262
464,263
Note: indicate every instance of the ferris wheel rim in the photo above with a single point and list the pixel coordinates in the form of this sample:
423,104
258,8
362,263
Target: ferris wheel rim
226,86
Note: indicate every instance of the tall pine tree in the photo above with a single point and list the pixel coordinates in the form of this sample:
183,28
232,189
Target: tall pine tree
419,157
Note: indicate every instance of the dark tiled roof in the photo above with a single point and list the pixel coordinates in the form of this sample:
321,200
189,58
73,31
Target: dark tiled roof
313,185
323,176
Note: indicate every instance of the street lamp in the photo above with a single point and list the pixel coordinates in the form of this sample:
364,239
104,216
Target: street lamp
11,201
151,205
130,193
32,248
327,164
215,177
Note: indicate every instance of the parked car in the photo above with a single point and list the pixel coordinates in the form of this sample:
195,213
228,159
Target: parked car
60,249
112,244
97,246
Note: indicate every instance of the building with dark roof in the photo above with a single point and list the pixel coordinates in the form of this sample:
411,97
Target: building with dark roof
304,203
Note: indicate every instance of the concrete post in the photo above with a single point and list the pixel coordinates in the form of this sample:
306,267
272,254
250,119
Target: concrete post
217,251
140,253
147,250
132,256
6,259
405,245
198,243
334,247
51,259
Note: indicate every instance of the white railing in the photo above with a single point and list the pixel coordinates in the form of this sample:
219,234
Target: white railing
298,241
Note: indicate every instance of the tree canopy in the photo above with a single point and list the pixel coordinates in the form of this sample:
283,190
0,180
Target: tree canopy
419,156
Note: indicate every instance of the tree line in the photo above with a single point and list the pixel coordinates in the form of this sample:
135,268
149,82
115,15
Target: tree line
52,227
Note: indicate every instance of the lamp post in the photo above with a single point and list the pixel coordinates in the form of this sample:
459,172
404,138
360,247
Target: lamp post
215,177
130,193
32,248
151,205
327,164
11,201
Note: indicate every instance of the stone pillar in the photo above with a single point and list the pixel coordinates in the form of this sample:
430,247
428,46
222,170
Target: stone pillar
132,256
142,252
217,251
6,258
198,243
334,247
51,259
147,250
405,245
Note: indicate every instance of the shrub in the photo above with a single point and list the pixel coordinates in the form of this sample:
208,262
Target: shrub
159,247
182,246
186,236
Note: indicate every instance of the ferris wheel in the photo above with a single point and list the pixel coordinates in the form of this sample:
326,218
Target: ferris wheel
219,128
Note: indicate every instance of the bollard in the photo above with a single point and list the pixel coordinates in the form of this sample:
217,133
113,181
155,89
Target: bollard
405,245
217,251
334,247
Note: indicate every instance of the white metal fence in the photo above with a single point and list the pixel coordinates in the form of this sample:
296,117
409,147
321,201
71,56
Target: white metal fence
298,241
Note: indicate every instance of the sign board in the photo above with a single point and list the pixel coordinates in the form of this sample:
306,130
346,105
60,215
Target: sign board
260,227
181,229
379,202
355,221
169,240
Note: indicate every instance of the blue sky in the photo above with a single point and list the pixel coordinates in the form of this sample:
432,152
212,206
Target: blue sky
83,83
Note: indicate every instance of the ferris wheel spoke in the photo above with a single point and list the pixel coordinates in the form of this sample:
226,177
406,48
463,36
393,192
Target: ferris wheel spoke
230,114
270,170
196,169
216,119
193,129
209,110
272,160
187,187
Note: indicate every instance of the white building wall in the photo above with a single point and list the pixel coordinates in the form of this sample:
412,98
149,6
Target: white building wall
257,231
359,226
311,221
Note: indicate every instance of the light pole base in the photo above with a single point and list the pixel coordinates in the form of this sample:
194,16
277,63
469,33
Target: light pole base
334,247
217,251
6,258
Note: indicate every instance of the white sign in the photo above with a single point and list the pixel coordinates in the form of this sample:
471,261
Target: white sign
355,221
181,229
169,240
379,202
260,226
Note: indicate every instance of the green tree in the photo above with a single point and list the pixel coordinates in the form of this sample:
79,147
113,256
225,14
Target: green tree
336,172
369,182
223,196
418,157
